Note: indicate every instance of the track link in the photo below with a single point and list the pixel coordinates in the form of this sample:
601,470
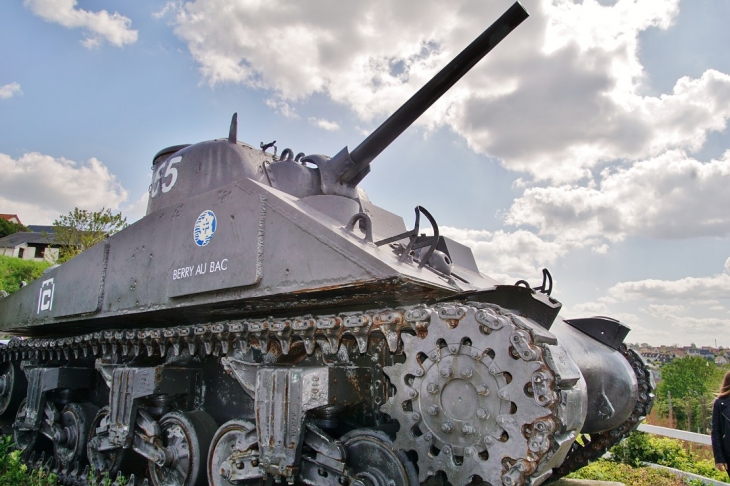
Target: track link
527,433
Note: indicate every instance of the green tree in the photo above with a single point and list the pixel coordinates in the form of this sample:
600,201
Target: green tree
81,229
687,377
8,227
690,381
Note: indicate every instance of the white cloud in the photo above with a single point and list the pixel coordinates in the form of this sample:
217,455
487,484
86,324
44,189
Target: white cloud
568,80
39,188
282,107
10,90
509,256
168,8
694,289
588,309
330,126
668,196
661,310
135,210
99,26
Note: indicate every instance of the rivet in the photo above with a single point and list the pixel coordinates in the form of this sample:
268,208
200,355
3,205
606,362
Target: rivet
433,410
453,349
502,393
447,427
482,414
446,372
482,390
428,437
419,372
488,441
432,388
467,372
475,354
416,417
446,450
412,393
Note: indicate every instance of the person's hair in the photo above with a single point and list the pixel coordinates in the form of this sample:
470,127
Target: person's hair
724,391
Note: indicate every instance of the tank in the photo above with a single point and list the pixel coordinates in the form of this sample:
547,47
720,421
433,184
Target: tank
266,323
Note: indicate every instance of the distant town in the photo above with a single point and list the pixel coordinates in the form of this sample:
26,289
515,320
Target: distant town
659,355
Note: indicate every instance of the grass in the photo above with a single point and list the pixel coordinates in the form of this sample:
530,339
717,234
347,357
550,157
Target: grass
13,270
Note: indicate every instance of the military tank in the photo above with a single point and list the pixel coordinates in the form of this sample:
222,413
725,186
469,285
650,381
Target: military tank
266,322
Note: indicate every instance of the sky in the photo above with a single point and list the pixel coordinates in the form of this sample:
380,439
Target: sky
592,141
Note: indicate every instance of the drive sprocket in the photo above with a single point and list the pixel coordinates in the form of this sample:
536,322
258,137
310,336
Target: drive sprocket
477,396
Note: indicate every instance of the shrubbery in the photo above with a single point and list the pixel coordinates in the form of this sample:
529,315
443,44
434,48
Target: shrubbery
15,473
641,447
627,457
604,470
13,270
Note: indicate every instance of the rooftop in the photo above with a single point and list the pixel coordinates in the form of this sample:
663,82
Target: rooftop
8,217
11,241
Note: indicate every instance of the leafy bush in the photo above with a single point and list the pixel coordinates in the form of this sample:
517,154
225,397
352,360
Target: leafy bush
15,473
13,270
603,470
641,447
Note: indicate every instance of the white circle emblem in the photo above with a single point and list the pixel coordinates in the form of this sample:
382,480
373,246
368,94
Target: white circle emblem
204,228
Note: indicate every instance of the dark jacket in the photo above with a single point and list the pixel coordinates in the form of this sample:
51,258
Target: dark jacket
721,430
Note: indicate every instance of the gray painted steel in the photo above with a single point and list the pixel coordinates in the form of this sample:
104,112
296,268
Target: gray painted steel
267,297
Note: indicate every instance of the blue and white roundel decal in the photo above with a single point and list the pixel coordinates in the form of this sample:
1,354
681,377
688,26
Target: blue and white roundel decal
204,228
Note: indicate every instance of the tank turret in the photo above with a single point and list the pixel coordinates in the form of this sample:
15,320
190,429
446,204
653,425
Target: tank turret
265,321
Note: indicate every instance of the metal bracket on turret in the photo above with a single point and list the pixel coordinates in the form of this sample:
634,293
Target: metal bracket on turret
330,171
415,241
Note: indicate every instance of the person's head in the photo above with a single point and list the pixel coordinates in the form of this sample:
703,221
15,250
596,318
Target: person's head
725,387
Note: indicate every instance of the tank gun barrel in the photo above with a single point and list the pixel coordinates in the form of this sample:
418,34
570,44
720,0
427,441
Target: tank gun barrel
359,164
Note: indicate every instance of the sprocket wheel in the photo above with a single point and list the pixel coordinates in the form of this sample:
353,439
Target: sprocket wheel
476,396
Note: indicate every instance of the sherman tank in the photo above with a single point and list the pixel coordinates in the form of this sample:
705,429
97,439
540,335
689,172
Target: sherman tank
265,322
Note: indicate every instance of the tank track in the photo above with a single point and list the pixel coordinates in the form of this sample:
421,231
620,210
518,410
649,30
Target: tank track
402,330
593,446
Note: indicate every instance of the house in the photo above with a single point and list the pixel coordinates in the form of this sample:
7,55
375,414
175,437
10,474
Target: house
703,352
38,244
13,218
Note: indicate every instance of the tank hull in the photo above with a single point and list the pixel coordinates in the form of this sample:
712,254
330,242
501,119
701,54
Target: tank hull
265,322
